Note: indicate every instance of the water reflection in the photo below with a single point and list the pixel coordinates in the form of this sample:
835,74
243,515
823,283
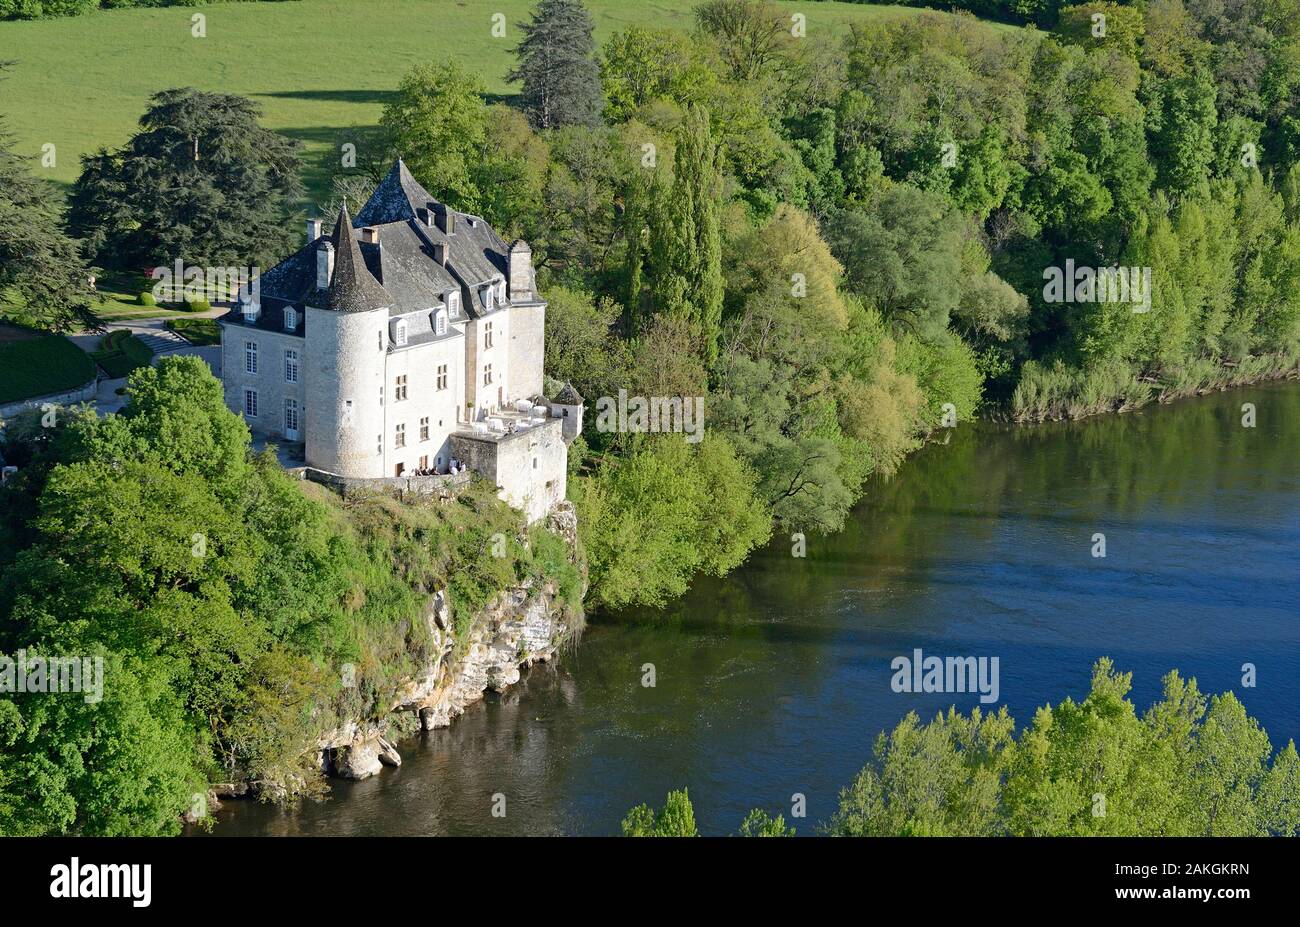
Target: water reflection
775,680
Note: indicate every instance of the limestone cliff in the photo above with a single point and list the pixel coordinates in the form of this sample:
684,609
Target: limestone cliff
522,625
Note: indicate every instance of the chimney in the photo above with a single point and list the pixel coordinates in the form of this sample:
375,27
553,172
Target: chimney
447,221
324,265
440,252
370,235
425,215
521,271
313,230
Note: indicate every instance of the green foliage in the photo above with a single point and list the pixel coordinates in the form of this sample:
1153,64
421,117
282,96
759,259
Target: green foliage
44,277
758,823
438,124
221,197
677,819
1190,766
663,511
120,353
557,65
223,596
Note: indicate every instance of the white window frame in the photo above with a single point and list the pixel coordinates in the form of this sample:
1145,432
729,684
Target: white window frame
290,365
291,412
250,357
250,403
399,333
290,319
453,303
440,322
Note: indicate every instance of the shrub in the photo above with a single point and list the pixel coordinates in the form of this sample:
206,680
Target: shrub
197,305
146,299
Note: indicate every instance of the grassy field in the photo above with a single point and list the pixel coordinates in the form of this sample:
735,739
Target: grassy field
40,365
319,68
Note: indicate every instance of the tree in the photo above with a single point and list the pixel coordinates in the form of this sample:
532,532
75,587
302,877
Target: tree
557,65
681,260
44,278
438,124
677,819
202,182
750,35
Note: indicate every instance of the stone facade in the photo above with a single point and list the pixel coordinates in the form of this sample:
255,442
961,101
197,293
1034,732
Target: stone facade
409,339
529,467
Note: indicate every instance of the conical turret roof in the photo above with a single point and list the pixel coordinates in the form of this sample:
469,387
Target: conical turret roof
353,288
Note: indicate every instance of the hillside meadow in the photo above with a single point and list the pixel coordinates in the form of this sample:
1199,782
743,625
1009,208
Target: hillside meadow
319,68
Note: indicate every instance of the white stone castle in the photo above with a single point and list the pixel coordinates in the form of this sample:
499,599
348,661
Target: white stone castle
405,343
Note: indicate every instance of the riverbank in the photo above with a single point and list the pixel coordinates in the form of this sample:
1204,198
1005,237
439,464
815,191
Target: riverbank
775,679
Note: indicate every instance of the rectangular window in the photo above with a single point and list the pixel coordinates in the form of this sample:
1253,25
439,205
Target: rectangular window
381,395
487,374
400,438
290,318
250,403
487,335
424,429
400,392
250,357
379,444
424,462
381,339
291,415
442,376
291,366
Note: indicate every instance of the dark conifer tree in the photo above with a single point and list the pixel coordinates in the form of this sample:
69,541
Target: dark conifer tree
44,279
557,65
201,181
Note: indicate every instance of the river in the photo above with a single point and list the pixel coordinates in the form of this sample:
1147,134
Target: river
775,680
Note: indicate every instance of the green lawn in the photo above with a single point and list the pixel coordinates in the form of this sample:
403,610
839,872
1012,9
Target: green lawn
318,67
197,331
41,366
121,352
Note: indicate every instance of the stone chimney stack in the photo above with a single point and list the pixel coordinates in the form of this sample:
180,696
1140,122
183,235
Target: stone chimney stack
370,235
313,230
440,252
447,221
521,271
325,264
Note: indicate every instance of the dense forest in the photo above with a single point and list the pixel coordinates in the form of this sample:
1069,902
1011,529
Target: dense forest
841,243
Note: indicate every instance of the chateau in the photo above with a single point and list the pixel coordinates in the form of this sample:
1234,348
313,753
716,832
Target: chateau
406,342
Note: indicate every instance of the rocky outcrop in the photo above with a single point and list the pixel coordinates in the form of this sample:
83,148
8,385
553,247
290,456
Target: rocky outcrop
523,625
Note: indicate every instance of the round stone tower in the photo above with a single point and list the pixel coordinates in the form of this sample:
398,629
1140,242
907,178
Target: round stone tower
346,351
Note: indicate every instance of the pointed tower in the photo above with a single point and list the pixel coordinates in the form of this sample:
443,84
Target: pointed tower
347,352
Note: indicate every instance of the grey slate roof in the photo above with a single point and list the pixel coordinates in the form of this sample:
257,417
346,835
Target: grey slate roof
568,396
354,288
401,271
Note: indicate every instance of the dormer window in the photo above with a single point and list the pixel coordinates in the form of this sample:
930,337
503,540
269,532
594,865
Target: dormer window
399,333
453,303
440,322
290,319
250,311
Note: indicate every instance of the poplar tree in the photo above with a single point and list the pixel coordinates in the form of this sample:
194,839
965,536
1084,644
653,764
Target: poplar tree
681,262
558,67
